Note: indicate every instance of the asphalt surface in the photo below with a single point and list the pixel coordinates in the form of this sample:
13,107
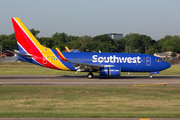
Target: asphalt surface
83,80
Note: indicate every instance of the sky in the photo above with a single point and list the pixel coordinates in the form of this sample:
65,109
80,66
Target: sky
155,18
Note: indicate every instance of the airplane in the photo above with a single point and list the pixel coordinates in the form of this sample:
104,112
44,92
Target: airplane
106,64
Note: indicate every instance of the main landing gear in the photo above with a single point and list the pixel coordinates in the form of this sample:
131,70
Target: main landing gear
90,75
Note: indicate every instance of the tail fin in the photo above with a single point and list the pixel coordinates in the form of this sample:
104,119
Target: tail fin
27,43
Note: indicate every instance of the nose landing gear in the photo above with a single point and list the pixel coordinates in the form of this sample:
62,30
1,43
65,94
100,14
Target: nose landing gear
150,76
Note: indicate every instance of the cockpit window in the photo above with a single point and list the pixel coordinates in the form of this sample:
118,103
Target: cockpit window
159,60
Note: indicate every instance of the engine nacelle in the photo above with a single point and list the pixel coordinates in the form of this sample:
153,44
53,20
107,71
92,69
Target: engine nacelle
110,71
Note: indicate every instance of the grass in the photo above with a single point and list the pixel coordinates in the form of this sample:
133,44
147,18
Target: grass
24,68
86,101
90,101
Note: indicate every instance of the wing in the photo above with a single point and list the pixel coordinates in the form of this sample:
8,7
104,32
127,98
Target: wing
82,66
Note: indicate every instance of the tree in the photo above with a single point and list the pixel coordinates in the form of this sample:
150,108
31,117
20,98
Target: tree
100,42
173,54
129,37
2,37
176,43
59,40
163,41
171,44
151,51
34,32
9,42
85,39
46,41
119,45
82,48
141,42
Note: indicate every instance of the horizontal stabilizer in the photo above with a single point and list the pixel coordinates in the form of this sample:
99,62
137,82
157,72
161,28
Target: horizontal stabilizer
20,54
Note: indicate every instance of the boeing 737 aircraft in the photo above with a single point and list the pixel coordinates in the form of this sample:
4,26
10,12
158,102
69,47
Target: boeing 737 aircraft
106,64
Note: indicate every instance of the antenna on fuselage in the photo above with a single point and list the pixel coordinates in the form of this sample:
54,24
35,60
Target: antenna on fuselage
99,51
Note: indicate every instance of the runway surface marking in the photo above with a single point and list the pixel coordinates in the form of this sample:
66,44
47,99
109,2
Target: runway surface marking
144,119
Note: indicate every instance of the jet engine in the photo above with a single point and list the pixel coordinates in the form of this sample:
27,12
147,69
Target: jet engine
110,71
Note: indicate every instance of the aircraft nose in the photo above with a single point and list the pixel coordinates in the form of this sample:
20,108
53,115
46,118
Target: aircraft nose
167,65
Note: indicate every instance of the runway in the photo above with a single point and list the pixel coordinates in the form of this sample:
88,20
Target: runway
83,80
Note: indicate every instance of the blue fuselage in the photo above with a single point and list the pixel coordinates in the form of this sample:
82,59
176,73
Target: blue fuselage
128,62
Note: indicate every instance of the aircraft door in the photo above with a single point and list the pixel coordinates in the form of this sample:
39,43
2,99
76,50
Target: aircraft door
44,60
148,61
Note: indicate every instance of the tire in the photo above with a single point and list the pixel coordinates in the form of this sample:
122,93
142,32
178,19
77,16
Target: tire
90,75
150,76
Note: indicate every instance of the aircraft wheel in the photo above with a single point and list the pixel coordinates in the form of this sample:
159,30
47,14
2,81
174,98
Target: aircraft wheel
90,75
150,76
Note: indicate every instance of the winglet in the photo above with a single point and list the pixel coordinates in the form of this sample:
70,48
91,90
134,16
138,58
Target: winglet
61,55
67,49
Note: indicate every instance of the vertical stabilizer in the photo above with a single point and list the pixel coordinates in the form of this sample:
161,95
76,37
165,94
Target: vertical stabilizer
27,43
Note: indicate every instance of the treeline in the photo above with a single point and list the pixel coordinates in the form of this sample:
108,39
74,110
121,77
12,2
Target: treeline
134,42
